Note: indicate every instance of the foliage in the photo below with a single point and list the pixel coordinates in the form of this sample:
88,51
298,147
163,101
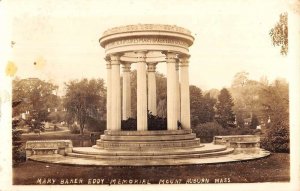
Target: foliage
85,98
207,131
156,122
161,93
277,138
225,115
18,153
254,122
74,129
96,125
275,101
129,125
56,117
202,107
35,95
245,93
279,34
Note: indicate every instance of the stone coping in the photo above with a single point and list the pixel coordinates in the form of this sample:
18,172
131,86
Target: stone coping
148,138
48,144
148,133
234,136
204,148
237,138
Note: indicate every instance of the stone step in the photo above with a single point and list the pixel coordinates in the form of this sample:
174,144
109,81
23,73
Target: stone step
148,133
150,157
174,137
140,145
198,150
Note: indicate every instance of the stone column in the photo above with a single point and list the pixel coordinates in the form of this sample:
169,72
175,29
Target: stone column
152,88
171,91
126,92
141,91
177,89
115,93
108,97
185,93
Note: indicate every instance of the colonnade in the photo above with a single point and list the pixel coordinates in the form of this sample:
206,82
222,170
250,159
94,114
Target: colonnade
178,98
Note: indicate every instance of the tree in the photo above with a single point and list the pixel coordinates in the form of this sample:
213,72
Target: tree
161,93
36,96
275,101
279,34
254,122
240,79
209,108
85,99
202,107
225,115
196,105
245,93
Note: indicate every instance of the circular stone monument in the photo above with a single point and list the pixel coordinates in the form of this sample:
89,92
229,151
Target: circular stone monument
147,45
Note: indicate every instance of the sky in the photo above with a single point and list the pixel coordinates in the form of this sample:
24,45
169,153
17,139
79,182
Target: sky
230,36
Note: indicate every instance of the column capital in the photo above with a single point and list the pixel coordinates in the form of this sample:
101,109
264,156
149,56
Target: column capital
151,67
126,67
141,56
108,62
184,61
115,59
170,56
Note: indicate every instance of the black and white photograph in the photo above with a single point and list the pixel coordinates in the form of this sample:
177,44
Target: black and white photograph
170,95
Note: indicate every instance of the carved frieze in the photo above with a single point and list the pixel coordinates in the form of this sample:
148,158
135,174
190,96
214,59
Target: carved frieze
147,40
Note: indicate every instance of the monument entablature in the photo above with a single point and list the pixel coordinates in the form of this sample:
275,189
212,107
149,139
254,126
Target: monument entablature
146,37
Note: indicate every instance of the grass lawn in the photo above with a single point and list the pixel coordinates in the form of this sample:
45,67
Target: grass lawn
274,168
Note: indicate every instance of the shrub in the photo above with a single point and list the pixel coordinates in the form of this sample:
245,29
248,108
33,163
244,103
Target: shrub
18,152
74,129
277,139
206,131
94,125
156,122
129,124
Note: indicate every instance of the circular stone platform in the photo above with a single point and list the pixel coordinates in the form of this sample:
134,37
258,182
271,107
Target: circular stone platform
208,154
152,148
